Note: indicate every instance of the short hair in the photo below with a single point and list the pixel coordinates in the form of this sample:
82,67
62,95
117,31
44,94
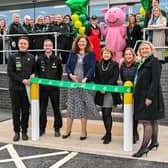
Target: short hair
75,47
27,17
46,40
24,38
149,44
108,50
15,14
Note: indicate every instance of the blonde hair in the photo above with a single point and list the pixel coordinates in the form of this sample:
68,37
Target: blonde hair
39,17
149,44
156,7
133,53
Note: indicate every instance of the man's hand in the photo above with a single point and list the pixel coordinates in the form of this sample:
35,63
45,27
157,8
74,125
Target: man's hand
148,102
32,76
26,82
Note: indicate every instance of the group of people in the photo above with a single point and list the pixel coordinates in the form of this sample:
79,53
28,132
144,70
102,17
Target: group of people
81,67
87,63
59,23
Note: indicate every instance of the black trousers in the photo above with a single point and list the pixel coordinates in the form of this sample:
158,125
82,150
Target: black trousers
53,94
20,110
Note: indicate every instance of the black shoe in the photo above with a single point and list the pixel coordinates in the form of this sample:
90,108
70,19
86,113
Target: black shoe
16,137
107,139
102,138
83,138
42,132
57,133
66,136
141,152
153,145
24,136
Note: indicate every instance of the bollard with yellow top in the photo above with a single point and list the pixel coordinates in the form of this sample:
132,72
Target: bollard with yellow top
35,110
128,119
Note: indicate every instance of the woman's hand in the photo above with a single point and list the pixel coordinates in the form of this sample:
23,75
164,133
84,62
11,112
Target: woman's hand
148,102
103,92
84,80
74,78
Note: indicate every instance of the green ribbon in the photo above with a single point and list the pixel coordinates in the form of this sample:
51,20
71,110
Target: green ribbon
89,86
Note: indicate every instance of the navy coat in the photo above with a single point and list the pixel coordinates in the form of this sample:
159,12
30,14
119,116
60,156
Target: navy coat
89,64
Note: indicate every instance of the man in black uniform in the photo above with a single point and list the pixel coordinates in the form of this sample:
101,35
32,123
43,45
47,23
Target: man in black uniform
49,67
20,68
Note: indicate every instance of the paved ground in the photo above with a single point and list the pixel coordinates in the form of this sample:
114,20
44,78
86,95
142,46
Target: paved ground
5,115
51,152
13,156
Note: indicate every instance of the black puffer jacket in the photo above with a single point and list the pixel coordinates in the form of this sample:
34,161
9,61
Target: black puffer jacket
128,73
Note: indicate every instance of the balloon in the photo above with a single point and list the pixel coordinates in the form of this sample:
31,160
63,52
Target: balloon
86,23
82,18
78,6
75,17
147,4
142,11
141,25
77,24
82,30
141,18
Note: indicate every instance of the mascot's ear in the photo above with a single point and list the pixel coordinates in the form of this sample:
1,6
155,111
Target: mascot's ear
123,8
104,10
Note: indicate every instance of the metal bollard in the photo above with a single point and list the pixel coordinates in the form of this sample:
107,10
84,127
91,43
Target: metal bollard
35,110
128,119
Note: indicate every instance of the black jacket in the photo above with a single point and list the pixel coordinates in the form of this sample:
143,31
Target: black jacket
108,77
133,36
20,66
49,68
148,86
128,73
15,28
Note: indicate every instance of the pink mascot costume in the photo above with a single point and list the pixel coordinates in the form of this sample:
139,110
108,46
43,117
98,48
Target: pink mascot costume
115,32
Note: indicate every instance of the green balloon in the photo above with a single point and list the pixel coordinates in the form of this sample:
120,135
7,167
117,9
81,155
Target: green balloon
82,18
78,6
141,18
141,25
86,23
147,4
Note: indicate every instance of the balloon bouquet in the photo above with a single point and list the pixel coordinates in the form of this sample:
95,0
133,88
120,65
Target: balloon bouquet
146,5
79,15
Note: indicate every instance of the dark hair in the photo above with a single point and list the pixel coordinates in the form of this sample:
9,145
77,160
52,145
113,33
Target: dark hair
75,47
68,17
24,38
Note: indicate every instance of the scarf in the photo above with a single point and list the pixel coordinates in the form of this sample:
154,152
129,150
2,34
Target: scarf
153,22
139,66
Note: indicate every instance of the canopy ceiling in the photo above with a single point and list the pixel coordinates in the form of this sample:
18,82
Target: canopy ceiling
18,4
